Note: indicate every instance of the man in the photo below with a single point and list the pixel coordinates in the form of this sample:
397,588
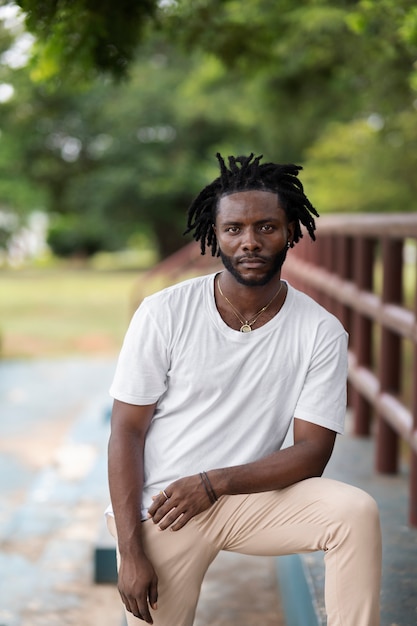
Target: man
212,375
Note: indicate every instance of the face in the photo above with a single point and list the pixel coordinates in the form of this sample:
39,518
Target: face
252,233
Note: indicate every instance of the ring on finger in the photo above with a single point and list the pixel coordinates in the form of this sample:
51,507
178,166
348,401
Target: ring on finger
164,494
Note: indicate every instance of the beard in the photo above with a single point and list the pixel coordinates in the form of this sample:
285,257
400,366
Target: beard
275,264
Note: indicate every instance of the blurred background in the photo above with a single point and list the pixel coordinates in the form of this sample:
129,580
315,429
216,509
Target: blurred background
111,115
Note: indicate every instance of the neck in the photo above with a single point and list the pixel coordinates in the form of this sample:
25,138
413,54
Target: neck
245,307
247,296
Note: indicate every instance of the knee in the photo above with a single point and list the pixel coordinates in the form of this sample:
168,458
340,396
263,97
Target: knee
358,510
365,510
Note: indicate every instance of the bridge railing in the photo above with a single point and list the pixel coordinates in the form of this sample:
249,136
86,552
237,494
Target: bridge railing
363,269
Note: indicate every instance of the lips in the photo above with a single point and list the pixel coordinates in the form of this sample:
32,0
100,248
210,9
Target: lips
252,261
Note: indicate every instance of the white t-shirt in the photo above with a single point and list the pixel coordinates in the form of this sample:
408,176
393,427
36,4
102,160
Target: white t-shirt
226,397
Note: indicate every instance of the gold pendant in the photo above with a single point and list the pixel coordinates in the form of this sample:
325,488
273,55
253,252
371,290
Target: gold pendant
245,328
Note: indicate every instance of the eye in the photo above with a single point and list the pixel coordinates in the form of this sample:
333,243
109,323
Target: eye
232,229
266,228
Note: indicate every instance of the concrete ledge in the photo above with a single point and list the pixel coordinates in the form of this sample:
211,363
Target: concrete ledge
297,597
105,565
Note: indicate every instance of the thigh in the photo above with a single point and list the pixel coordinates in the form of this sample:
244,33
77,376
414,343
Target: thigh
300,518
180,560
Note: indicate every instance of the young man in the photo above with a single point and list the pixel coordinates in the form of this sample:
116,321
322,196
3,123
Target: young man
212,375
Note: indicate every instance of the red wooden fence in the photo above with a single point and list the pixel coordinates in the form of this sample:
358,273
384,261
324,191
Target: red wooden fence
356,269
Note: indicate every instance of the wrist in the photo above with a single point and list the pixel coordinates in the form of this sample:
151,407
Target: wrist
209,489
131,549
129,542
218,481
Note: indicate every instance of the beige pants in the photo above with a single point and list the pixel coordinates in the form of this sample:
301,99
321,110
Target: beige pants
315,514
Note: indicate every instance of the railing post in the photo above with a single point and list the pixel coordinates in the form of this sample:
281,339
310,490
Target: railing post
309,252
344,270
413,459
362,331
390,355
327,263
317,256
306,252
375,382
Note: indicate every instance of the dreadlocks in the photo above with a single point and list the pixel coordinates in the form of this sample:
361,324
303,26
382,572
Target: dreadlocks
244,174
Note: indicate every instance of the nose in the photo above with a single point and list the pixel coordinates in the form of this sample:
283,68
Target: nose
250,240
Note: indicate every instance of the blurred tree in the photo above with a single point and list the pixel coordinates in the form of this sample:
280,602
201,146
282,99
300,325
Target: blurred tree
83,37
114,159
150,145
320,60
365,165
329,84
18,194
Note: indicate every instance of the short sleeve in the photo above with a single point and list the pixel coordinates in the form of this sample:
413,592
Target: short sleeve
323,398
141,372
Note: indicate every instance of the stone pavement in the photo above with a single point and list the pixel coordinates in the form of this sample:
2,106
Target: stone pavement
240,590
53,432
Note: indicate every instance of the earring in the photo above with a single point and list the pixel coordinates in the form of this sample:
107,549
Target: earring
288,244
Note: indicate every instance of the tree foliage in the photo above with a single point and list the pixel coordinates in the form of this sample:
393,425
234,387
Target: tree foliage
328,84
82,37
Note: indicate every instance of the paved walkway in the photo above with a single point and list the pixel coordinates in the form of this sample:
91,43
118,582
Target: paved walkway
53,432
240,590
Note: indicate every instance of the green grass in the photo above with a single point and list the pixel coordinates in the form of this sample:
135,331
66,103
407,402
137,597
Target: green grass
58,312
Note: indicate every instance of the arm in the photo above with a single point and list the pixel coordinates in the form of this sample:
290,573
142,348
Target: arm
137,578
306,458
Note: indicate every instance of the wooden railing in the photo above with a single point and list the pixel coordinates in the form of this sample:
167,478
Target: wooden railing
363,269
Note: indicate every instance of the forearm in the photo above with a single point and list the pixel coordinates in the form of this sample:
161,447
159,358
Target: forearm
189,496
137,579
281,469
125,471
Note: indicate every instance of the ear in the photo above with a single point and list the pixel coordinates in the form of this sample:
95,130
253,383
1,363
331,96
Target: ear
291,231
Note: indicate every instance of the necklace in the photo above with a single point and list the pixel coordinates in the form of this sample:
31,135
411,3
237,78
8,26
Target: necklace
247,324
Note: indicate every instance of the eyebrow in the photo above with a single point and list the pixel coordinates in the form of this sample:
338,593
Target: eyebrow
239,223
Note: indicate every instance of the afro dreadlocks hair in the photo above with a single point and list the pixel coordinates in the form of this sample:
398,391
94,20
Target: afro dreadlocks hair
244,174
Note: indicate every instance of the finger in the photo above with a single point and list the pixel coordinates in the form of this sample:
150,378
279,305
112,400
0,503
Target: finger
158,502
170,519
144,611
140,610
181,521
153,594
167,509
133,607
160,513
130,606
125,601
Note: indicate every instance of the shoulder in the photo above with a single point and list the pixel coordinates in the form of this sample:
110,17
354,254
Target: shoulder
313,315
181,301
166,312
180,291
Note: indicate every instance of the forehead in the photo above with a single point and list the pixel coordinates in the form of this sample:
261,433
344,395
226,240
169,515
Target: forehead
255,202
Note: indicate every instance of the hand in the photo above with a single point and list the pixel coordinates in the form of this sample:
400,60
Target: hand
138,587
186,497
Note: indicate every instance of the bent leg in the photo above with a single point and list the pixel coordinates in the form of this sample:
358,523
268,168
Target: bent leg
315,514
180,560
